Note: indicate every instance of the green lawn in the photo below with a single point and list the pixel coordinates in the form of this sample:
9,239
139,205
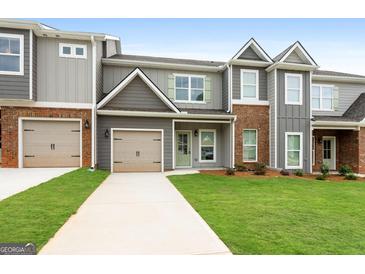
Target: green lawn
279,215
36,214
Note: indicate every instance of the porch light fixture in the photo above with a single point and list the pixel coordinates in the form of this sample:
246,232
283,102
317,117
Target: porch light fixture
196,133
106,133
87,125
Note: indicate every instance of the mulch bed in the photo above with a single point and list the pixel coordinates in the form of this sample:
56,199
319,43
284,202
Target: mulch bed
274,173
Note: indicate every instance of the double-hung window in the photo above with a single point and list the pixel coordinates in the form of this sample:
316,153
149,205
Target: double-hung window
293,150
249,84
250,145
322,97
72,51
189,88
207,145
293,89
11,54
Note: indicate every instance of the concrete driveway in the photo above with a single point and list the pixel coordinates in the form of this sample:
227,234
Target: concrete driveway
14,180
135,213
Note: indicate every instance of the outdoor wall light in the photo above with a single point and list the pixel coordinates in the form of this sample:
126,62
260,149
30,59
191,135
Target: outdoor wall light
196,133
87,125
106,133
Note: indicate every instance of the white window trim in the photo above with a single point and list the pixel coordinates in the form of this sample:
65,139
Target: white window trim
287,102
214,146
73,51
242,84
21,54
300,134
189,89
321,97
243,146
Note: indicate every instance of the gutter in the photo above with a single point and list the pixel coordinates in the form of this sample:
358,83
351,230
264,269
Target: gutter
93,110
339,123
293,66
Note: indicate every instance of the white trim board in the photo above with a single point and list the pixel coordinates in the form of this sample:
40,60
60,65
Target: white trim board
127,80
40,104
20,134
31,64
136,129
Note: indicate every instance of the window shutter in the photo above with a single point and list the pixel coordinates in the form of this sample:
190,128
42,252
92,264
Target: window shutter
335,98
208,90
171,87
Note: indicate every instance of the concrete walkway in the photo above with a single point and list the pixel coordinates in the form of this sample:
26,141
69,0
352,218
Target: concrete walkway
136,213
14,180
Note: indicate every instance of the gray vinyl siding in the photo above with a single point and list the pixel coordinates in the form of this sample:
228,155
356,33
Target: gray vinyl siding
114,74
111,48
108,122
99,71
271,99
137,96
249,54
293,118
225,88
16,86
221,152
236,82
34,68
294,58
61,79
348,93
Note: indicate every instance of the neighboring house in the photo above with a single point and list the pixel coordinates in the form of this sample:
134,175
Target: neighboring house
71,99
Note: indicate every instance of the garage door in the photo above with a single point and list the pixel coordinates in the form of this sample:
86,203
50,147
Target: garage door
51,144
135,151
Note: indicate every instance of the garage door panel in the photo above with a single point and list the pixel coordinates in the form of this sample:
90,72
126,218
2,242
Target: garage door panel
135,151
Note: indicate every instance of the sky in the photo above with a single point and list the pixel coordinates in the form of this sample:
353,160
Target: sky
335,44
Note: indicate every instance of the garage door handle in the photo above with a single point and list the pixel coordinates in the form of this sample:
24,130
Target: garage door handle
75,156
155,162
29,156
28,129
156,139
117,162
75,130
118,139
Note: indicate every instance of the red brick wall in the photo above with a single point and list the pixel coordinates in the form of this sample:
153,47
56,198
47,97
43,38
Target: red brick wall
252,117
9,130
347,148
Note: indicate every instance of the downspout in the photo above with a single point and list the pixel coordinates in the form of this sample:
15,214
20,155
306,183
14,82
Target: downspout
93,109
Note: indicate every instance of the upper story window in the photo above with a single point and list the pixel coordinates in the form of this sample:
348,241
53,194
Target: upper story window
11,54
189,88
293,89
249,84
322,97
73,51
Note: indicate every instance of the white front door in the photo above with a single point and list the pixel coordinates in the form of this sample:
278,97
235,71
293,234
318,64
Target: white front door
329,152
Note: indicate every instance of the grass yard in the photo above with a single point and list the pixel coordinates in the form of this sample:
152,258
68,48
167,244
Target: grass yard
279,215
36,214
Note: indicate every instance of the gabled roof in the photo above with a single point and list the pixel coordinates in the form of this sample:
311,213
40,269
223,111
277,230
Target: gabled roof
138,72
256,48
336,74
281,57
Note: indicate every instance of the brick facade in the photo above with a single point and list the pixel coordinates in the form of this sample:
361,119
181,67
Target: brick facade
252,117
349,148
9,130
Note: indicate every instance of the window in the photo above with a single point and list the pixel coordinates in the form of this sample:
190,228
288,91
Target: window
11,54
189,88
293,89
73,51
322,97
249,84
207,145
250,145
293,150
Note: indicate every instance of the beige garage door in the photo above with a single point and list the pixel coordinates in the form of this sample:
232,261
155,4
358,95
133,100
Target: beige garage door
135,151
51,144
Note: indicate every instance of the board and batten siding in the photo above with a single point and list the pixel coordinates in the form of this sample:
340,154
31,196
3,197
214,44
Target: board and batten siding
16,86
271,98
62,79
236,82
293,118
108,122
225,88
348,93
114,74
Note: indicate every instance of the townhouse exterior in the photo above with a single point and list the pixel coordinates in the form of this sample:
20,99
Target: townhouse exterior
74,99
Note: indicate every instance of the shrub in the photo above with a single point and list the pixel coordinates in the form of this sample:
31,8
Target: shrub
321,177
260,169
230,171
351,176
325,170
284,172
299,173
344,170
241,168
